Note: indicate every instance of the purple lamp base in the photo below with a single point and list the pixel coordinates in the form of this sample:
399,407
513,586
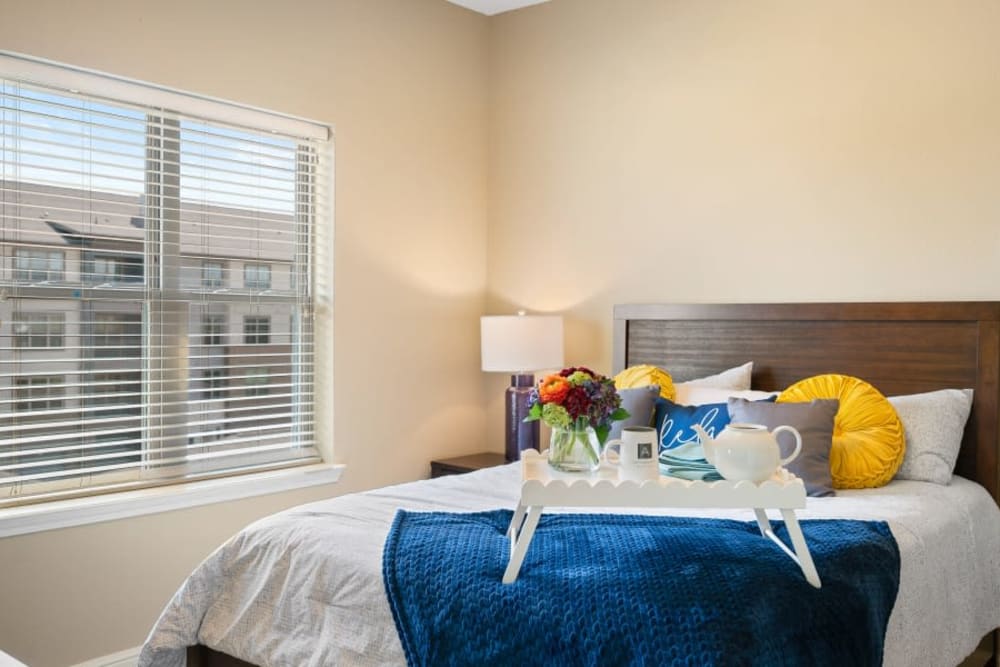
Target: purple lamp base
520,435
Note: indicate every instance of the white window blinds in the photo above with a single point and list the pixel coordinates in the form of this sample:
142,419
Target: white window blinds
156,283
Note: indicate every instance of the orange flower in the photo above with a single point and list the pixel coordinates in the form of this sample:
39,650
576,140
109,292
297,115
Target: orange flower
553,389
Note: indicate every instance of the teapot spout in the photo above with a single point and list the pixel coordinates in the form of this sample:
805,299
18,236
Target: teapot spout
707,443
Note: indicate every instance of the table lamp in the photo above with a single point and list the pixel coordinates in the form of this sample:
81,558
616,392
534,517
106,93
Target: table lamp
520,345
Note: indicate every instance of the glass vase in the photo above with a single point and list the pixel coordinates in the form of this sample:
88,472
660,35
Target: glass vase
574,449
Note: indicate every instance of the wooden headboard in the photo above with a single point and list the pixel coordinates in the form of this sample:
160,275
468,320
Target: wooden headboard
900,348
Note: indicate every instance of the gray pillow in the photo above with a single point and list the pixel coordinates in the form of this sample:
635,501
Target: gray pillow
640,403
813,421
934,423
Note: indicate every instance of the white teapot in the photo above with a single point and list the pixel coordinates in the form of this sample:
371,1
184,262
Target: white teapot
747,451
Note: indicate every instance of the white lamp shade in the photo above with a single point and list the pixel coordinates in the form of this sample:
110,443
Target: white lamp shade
521,343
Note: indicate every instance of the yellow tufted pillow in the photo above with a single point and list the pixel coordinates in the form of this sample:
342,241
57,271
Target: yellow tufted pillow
645,375
868,439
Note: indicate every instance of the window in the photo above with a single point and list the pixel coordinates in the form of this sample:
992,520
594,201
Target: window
257,381
256,330
257,276
39,266
104,268
116,334
123,193
215,383
39,330
213,328
114,389
212,274
40,392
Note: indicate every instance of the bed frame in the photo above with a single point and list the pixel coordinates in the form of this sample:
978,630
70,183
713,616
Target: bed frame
901,348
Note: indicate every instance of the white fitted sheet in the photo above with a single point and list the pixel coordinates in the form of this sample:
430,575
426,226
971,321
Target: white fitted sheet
304,587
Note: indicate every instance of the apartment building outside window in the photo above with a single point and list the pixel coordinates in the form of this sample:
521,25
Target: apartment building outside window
117,334
257,276
39,330
257,382
215,383
36,265
256,329
123,191
213,329
114,389
103,268
43,392
213,274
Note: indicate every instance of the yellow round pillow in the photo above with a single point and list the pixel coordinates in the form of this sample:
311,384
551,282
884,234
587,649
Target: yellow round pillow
645,375
868,438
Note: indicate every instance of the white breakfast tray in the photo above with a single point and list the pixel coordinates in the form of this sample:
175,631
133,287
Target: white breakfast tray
542,486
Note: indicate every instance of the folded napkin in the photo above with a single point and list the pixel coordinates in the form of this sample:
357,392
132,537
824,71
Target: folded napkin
687,461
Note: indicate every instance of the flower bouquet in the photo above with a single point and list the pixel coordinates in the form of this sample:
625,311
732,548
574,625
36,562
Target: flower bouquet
579,406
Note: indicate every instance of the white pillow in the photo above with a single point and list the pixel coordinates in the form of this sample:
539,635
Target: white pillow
934,423
737,378
695,395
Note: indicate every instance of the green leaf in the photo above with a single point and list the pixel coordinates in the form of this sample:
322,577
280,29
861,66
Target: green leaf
620,414
602,433
535,413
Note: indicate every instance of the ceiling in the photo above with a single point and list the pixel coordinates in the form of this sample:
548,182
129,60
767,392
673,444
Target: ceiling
491,7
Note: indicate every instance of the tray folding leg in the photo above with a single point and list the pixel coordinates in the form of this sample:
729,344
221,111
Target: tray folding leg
804,560
522,529
801,554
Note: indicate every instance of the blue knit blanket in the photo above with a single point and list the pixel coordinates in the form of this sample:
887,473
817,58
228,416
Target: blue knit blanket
614,589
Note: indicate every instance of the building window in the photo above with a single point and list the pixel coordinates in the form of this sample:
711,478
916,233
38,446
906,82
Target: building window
115,389
39,392
256,329
116,334
257,276
39,330
213,329
257,380
213,274
215,383
128,184
38,266
103,268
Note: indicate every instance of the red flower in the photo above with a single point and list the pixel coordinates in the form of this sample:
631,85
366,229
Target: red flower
577,402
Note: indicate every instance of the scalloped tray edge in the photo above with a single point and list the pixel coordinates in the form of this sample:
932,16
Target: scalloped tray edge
537,481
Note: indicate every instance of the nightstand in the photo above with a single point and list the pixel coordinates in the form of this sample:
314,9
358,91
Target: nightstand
460,464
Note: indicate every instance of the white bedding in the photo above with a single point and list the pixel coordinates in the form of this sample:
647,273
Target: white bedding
304,587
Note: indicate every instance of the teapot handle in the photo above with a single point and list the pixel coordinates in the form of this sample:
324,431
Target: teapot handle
798,443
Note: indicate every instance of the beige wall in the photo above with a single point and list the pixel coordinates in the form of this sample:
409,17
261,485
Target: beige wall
689,150
404,83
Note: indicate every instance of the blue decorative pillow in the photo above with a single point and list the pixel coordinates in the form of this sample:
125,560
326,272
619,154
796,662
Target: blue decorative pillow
681,453
674,421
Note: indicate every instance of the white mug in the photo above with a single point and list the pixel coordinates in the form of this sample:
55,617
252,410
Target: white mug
634,454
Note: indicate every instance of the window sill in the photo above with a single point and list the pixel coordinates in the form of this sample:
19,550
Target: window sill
95,509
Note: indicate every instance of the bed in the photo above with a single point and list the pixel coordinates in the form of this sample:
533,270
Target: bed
283,592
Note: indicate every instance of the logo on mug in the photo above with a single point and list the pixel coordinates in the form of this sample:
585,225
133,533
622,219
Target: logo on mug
644,451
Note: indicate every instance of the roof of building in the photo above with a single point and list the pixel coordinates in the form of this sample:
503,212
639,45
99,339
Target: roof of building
60,217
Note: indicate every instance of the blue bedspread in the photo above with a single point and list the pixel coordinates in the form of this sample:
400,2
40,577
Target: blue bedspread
613,589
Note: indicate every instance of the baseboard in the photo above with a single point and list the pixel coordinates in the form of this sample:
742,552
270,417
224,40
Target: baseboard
127,658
